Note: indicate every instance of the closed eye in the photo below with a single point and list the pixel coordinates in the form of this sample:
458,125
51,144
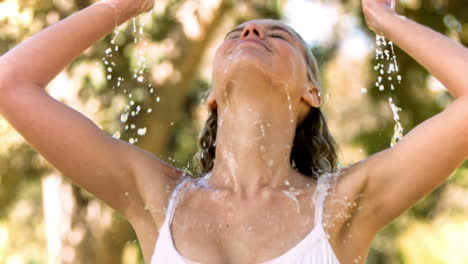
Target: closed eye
233,36
276,36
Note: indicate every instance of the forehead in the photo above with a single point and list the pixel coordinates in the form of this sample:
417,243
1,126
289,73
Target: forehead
263,21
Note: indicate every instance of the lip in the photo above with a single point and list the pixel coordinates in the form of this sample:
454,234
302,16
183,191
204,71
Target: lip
255,41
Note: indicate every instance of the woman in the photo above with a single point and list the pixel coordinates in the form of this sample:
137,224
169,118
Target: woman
265,88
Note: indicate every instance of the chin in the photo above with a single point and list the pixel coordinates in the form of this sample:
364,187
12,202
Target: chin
248,61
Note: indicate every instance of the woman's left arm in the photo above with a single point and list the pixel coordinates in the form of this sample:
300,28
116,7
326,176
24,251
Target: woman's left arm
396,178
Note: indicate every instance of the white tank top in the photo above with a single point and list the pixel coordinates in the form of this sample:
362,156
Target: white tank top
313,249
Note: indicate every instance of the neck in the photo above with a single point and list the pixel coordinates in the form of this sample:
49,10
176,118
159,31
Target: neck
254,142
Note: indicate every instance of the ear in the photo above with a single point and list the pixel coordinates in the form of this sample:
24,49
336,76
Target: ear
312,96
211,101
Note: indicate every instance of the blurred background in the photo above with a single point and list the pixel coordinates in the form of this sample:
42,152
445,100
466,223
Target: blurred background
146,83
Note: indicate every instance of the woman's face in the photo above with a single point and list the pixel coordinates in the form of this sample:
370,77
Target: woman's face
266,48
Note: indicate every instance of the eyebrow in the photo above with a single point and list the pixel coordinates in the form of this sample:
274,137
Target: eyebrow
272,27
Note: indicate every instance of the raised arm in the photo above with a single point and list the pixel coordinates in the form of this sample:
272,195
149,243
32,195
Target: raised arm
398,177
113,170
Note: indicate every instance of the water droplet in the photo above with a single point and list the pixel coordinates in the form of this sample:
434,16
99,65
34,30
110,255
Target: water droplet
109,50
158,99
124,117
270,163
363,90
116,135
387,54
398,130
142,131
109,77
149,110
140,79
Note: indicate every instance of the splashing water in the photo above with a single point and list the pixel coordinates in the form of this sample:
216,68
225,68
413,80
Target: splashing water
385,56
292,194
398,131
291,114
111,53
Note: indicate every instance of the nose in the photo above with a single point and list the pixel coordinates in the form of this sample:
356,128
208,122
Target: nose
252,30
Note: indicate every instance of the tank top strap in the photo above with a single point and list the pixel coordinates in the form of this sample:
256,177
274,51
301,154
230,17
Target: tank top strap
319,198
175,196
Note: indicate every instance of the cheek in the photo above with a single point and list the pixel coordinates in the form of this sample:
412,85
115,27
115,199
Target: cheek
220,55
218,61
292,62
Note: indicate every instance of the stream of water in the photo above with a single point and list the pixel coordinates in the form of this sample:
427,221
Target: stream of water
387,69
131,108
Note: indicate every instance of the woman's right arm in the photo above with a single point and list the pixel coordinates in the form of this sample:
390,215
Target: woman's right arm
120,174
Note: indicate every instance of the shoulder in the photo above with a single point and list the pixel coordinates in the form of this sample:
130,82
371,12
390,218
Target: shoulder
342,203
344,219
156,181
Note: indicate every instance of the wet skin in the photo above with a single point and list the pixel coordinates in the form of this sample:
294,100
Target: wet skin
257,206
260,94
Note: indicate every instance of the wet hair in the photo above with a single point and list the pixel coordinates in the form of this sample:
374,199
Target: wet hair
314,151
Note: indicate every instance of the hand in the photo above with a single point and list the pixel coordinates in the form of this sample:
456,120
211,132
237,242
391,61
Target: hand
374,10
130,8
145,5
